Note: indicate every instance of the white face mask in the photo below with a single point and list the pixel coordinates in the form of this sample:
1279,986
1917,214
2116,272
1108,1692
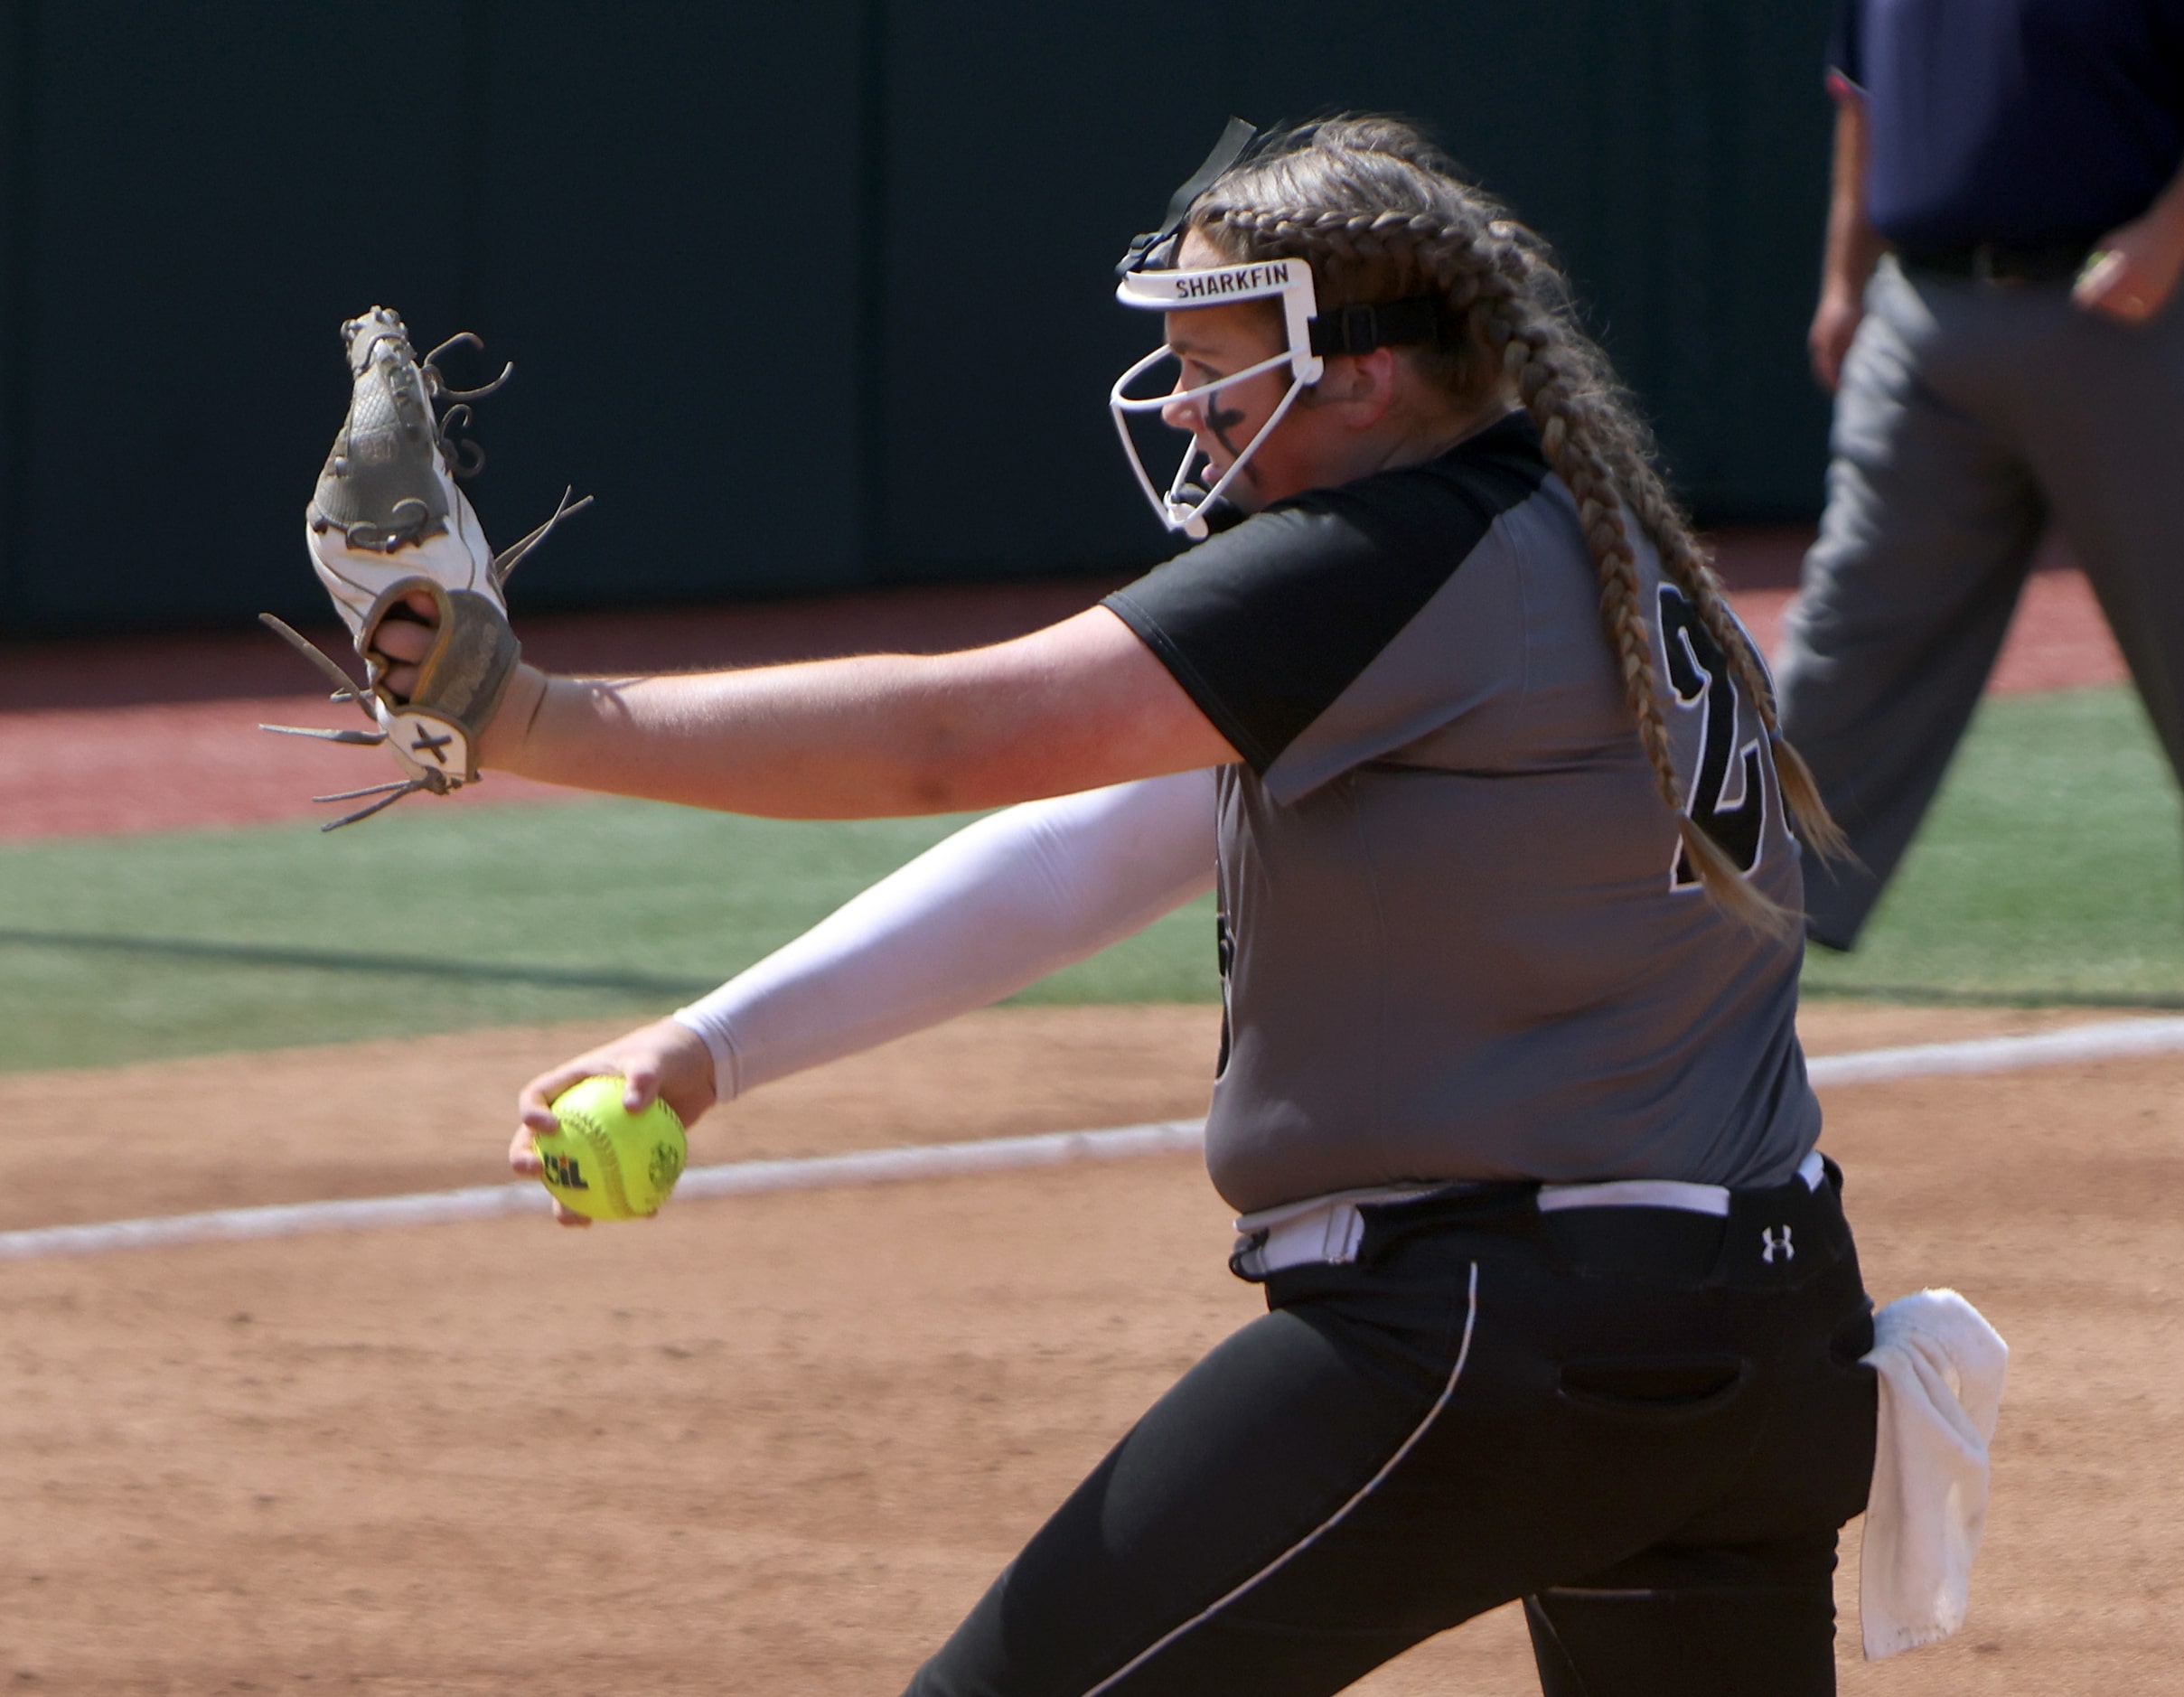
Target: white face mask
1182,507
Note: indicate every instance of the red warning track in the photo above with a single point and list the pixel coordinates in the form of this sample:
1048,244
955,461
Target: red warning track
102,738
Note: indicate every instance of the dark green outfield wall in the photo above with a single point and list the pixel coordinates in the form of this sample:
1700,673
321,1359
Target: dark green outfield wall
810,297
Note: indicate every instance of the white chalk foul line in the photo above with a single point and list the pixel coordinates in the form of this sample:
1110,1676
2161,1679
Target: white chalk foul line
485,1202
2110,1040
437,1207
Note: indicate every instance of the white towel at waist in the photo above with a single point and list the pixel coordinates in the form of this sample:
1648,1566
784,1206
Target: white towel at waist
1941,1368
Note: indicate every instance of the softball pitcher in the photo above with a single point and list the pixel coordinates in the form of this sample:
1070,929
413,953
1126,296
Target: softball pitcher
1562,1303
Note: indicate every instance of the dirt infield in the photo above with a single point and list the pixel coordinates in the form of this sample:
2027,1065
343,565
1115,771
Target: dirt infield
777,1444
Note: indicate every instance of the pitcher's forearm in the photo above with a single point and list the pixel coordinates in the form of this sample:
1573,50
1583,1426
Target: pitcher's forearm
877,735
811,742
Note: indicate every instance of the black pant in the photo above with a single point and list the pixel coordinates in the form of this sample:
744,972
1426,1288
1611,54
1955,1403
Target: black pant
1649,1424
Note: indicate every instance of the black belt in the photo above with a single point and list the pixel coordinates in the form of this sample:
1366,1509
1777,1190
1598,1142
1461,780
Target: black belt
2000,261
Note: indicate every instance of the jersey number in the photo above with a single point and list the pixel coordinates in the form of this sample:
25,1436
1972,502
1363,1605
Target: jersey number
1701,675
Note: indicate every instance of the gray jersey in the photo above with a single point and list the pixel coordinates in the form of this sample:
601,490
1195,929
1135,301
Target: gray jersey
1459,939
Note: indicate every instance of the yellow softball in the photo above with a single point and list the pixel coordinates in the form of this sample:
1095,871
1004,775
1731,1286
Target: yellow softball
605,1162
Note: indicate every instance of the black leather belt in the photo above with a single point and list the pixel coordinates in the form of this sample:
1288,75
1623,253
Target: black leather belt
1999,262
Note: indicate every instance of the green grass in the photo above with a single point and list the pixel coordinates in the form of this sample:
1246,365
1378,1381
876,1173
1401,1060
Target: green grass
2052,871
124,949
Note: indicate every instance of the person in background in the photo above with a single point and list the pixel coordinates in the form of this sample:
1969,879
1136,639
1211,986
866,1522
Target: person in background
1998,325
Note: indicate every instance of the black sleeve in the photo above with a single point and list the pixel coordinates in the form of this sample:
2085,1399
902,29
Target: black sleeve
1267,624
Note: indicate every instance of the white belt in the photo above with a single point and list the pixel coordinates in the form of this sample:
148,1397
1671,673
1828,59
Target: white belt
1330,1228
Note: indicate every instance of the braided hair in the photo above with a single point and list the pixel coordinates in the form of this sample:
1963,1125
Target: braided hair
1380,214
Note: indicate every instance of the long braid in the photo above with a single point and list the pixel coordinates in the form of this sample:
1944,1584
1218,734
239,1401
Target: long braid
1556,395
1380,215
1686,563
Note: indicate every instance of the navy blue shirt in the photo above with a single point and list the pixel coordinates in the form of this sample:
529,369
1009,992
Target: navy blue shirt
2022,121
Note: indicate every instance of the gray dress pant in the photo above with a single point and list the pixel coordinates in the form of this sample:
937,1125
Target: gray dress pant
1971,416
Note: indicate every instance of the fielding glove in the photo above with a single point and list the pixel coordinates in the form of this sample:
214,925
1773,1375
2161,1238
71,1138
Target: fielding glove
389,519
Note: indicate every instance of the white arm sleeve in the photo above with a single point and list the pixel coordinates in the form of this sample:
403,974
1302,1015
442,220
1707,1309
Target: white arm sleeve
997,906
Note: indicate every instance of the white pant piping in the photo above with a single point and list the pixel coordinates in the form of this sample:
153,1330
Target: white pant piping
1336,1519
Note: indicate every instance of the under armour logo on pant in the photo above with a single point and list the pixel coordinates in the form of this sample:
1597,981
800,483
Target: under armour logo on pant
1769,1244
